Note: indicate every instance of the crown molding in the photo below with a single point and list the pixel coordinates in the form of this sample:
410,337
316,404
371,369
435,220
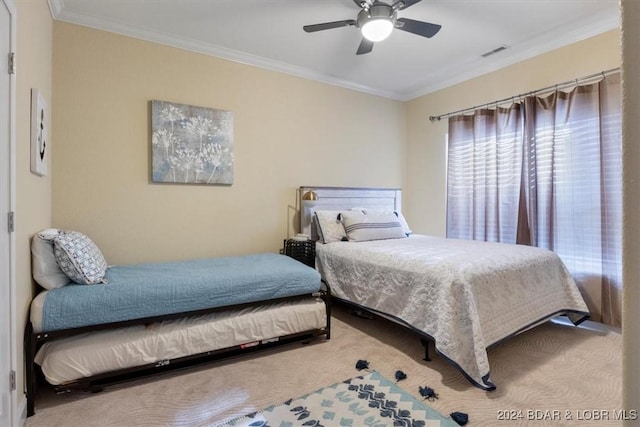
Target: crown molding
445,77
211,50
55,7
526,50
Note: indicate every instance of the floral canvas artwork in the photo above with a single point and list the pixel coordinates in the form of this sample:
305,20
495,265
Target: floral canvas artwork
192,145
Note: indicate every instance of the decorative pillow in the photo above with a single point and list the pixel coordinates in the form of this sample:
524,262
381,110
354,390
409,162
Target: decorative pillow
361,227
79,258
330,228
44,268
403,221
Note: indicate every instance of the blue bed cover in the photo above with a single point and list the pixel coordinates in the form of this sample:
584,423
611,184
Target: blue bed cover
155,289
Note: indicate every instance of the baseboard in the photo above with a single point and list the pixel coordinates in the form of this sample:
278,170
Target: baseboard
21,412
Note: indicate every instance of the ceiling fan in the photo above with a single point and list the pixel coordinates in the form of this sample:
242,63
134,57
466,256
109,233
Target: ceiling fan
376,20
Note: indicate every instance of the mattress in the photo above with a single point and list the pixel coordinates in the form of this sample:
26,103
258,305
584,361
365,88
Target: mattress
157,289
69,359
465,295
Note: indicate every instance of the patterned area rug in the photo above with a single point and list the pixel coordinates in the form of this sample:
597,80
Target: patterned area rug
370,400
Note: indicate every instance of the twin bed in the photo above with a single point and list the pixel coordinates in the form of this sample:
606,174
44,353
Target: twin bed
139,319
465,296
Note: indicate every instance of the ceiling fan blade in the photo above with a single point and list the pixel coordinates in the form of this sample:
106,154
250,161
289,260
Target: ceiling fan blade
424,29
408,3
366,46
329,25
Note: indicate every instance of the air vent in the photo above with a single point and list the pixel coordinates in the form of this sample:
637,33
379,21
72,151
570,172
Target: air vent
496,50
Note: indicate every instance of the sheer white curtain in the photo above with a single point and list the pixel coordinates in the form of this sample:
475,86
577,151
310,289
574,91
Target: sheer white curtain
559,187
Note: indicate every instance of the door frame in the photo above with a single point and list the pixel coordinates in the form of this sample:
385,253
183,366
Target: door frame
13,414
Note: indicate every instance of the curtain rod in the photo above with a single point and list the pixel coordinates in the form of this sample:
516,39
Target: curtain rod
534,92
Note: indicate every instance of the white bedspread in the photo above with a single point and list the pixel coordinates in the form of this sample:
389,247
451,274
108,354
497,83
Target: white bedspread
466,295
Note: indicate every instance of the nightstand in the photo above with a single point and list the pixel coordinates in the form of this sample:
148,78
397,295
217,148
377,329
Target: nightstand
301,250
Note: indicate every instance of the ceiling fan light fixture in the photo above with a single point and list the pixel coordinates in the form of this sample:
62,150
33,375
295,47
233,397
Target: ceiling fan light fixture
376,23
377,29
377,20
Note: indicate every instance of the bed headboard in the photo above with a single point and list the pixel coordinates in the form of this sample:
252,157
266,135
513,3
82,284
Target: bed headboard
342,198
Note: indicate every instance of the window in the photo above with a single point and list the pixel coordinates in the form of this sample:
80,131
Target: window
546,171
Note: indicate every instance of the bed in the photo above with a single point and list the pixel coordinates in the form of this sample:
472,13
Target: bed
94,325
464,296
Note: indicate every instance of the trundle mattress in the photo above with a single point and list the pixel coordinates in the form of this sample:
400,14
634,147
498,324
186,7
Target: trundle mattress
80,356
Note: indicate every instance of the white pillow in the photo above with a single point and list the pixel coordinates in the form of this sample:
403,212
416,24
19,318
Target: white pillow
44,268
330,228
403,221
79,258
361,227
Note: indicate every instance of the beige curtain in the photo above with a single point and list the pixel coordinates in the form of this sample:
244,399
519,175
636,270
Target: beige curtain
484,167
564,158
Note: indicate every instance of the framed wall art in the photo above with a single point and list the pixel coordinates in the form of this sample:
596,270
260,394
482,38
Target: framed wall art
39,133
191,145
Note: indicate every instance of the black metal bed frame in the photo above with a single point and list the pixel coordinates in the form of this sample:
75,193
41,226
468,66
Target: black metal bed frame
362,311
427,340
34,340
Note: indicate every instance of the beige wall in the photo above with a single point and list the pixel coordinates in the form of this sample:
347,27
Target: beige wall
287,132
425,190
33,198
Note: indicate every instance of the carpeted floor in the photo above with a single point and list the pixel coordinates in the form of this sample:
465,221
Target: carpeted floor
570,376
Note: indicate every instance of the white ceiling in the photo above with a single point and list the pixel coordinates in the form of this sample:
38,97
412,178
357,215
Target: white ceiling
268,34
